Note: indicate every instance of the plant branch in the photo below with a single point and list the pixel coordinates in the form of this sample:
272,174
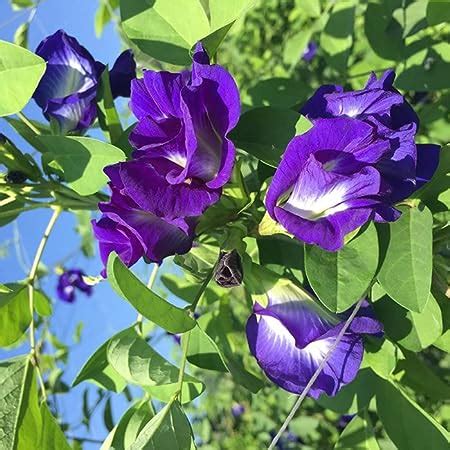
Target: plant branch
151,280
202,289
31,281
28,123
305,391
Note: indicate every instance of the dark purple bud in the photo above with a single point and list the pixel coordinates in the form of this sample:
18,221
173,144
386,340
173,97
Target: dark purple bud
15,177
3,139
310,51
229,272
69,282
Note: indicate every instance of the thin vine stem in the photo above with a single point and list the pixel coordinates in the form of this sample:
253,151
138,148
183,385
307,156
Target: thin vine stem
187,337
31,281
28,123
150,283
202,289
305,391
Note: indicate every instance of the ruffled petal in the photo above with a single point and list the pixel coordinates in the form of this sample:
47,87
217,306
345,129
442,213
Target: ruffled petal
268,339
149,189
76,112
328,232
319,193
70,68
117,237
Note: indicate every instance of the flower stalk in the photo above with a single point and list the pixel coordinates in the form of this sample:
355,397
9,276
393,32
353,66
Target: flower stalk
31,280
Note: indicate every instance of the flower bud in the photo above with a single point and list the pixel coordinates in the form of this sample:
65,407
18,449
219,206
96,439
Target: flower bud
229,271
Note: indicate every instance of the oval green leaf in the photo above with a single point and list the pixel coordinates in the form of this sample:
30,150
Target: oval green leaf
145,301
138,363
20,73
341,278
81,160
406,270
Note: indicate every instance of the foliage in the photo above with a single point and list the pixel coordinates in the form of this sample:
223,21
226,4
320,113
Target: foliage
399,398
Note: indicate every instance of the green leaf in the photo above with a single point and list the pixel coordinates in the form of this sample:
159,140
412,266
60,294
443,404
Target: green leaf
20,73
200,260
353,397
21,35
168,430
381,27
295,45
23,424
406,423
349,273
222,17
138,363
415,373
84,229
438,12
98,370
219,327
159,30
130,425
42,304
81,160
265,132
413,331
29,135
337,36
108,117
15,314
12,385
380,355
145,301
358,434
203,351
426,69
406,270
21,4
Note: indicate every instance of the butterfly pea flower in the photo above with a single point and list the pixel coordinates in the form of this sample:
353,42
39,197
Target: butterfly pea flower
69,282
183,122
407,165
67,91
138,220
292,334
352,166
310,51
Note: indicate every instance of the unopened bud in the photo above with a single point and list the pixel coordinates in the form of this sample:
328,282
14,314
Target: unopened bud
229,271
15,177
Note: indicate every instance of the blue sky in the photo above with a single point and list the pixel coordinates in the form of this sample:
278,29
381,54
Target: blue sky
104,313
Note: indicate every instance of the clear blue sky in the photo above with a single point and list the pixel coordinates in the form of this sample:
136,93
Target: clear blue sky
104,313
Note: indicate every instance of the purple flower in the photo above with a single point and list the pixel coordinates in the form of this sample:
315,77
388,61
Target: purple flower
310,51
183,122
357,160
139,220
294,326
237,410
68,282
67,91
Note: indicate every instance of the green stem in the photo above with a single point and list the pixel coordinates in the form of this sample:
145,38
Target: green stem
183,364
31,279
202,289
28,123
151,280
187,336
316,374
